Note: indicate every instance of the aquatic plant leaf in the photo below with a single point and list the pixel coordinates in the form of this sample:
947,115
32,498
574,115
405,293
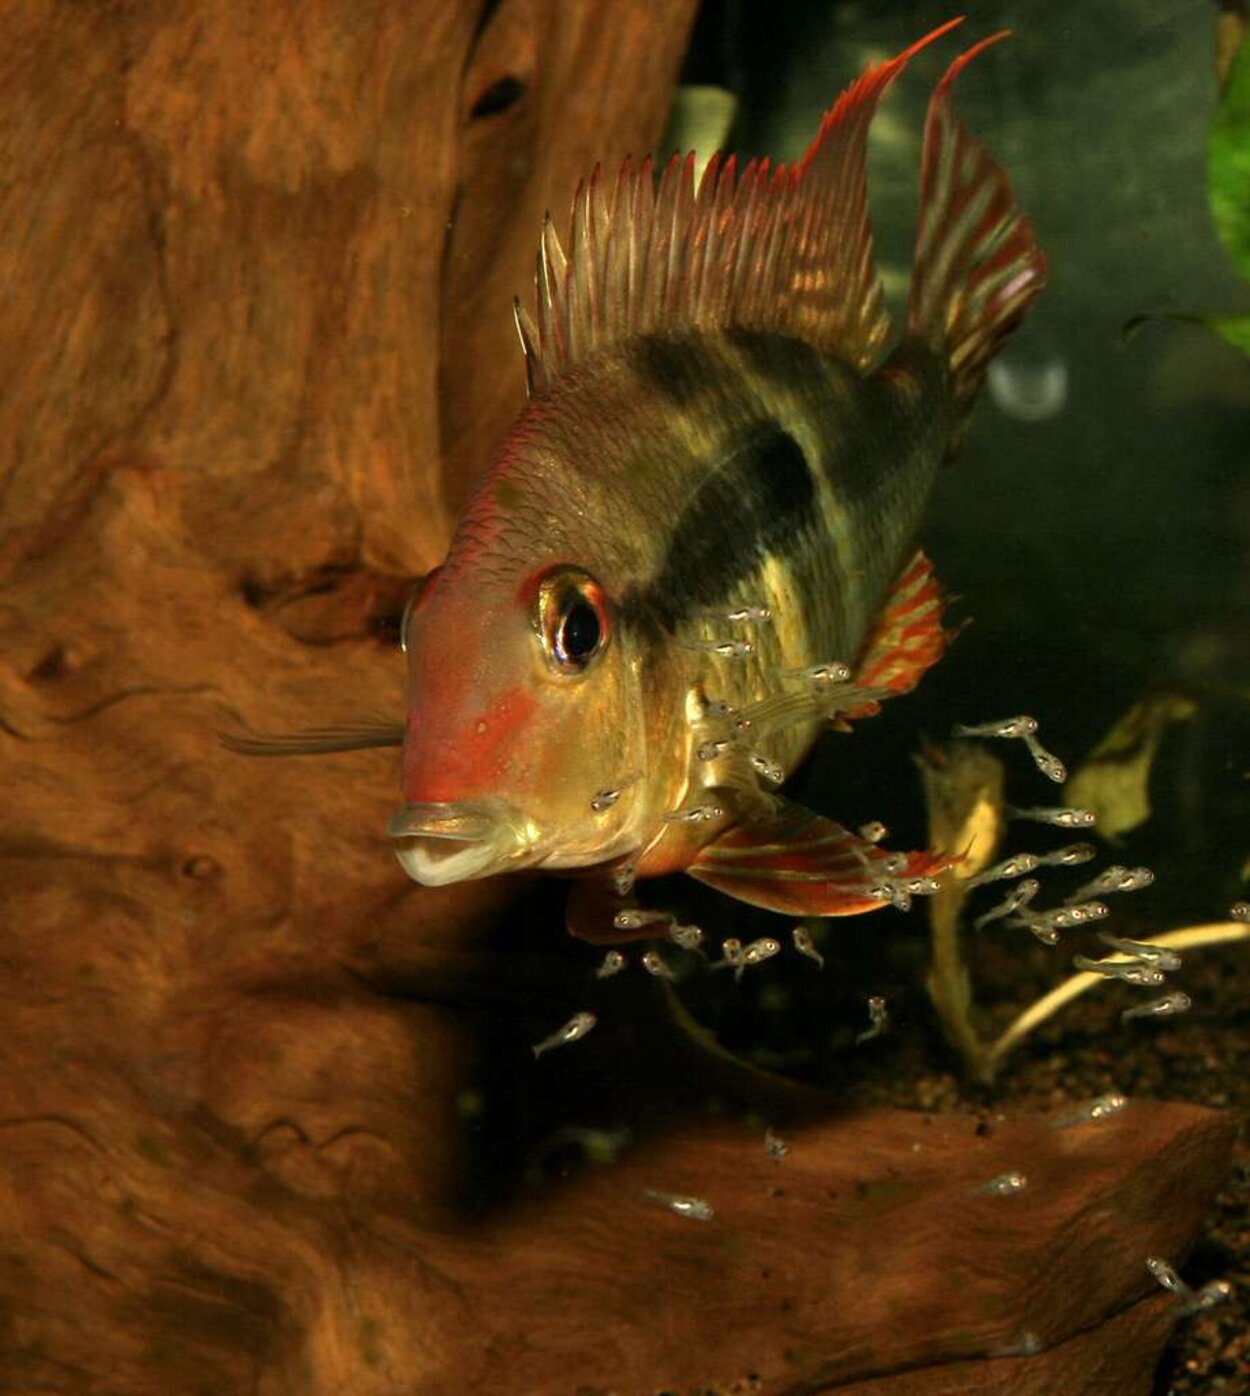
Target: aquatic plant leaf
1114,780
1235,329
963,787
1228,163
701,120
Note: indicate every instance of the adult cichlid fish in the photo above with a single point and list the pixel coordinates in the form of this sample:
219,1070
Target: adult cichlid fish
696,548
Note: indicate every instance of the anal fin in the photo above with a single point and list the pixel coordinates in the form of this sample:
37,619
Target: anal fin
789,860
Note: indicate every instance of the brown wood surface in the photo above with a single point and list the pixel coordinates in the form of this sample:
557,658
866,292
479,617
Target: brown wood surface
256,263
867,1260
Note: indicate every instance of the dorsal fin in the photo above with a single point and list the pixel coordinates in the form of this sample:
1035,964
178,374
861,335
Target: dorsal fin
786,250
978,267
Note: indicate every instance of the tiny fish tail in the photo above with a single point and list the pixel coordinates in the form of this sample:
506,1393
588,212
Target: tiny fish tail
978,267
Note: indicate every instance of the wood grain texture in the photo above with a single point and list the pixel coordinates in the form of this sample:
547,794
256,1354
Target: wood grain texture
236,244
868,1260
256,265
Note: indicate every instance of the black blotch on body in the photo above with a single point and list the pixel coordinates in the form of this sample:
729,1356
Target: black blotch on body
759,502
670,365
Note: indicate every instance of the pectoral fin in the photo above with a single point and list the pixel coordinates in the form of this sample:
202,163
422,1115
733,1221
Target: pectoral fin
789,860
907,640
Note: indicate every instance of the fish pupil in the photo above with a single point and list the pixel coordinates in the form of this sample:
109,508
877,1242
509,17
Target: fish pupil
578,636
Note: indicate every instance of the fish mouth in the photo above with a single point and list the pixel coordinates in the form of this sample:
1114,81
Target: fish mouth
454,841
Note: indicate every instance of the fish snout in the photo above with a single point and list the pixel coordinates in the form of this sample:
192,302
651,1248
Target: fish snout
453,841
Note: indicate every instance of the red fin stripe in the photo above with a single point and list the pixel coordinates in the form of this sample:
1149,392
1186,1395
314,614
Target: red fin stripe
977,265
787,251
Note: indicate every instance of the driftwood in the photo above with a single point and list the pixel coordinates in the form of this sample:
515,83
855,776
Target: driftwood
258,264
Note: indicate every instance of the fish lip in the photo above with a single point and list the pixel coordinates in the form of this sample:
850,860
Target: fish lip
453,841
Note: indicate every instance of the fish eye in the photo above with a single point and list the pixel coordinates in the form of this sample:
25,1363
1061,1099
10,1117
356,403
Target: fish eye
577,635
571,619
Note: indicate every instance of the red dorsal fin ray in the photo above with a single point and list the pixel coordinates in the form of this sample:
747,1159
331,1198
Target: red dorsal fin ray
978,267
907,640
789,860
774,249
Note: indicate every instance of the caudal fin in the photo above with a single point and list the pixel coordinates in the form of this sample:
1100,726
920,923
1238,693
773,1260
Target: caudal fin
978,267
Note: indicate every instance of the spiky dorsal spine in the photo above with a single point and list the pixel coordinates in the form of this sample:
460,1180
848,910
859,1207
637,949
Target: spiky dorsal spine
774,248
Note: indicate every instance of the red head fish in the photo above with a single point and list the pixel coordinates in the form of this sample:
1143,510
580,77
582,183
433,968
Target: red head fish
697,545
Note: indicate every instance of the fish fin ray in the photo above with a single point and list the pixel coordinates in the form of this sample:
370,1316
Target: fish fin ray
790,860
907,640
776,249
977,267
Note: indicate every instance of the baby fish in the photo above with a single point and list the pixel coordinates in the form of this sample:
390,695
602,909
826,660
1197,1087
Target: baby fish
576,1028
1046,925
709,751
873,832
1240,911
731,954
655,963
1213,1293
1005,1185
744,615
1020,895
777,1147
1024,728
1113,879
605,799
891,891
1063,817
694,814
1166,1007
1015,866
1045,761
723,425
1161,956
694,1208
820,673
1004,727
878,1020
1068,857
770,770
756,953
1129,971
613,963
760,950
634,918
803,944
687,937
623,879
920,886
1100,1108
723,649
1167,1277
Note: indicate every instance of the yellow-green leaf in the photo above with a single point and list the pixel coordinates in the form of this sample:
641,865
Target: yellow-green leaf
1114,781
1228,163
